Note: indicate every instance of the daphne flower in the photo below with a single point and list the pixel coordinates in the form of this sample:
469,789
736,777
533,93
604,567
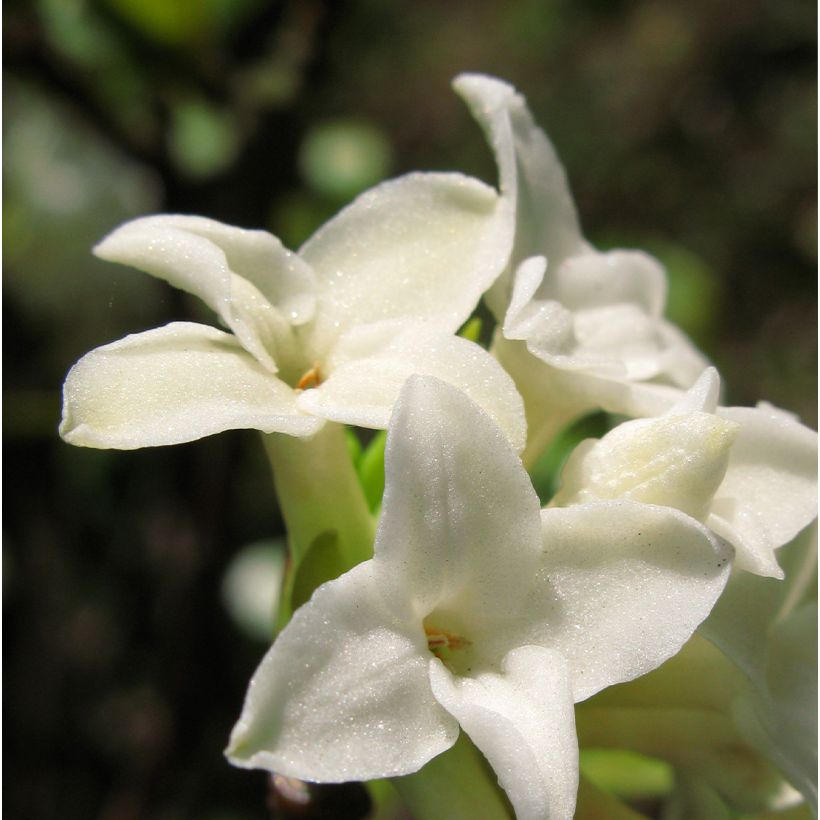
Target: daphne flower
329,333
477,612
581,329
749,473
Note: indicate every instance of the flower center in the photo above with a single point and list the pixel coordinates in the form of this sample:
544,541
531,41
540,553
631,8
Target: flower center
310,378
452,649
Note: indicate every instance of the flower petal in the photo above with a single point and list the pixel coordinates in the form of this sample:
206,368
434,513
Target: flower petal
632,581
173,384
343,693
460,516
257,287
523,722
677,460
597,279
553,397
530,175
424,246
598,314
769,492
371,363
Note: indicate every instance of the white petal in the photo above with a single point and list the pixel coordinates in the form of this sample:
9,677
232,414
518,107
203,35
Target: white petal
173,384
424,246
702,397
371,363
769,493
344,693
676,461
598,314
523,722
553,397
632,583
284,279
531,176
540,323
596,279
460,518
257,288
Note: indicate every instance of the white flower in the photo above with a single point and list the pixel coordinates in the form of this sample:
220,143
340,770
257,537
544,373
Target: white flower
749,473
329,333
477,611
582,329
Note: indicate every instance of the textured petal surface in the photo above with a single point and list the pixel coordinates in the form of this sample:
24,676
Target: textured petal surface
523,722
284,279
173,384
460,517
344,692
769,493
632,583
677,460
255,286
424,246
370,365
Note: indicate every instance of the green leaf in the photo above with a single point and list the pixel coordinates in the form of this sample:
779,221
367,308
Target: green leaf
371,470
471,330
323,562
455,785
627,774
354,446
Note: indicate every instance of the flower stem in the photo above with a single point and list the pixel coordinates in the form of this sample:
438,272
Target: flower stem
456,785
320,495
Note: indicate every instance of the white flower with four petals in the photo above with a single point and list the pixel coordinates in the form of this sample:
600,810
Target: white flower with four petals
477,611
330,333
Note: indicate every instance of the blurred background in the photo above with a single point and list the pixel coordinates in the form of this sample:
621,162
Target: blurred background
687,129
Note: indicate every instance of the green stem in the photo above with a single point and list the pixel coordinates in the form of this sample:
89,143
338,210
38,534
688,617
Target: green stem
456,785
320,495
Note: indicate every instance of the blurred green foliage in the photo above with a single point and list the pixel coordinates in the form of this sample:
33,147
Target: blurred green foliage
688,130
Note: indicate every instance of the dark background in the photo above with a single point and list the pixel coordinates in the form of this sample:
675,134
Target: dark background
688,129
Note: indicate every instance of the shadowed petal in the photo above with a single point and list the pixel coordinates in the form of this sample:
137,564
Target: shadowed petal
523,722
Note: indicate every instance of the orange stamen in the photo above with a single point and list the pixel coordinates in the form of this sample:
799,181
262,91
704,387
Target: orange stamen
310,378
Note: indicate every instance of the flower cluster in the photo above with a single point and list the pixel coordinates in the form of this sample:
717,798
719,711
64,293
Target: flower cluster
474,610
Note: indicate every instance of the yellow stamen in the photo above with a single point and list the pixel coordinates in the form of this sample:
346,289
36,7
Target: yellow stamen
311,378
438,639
